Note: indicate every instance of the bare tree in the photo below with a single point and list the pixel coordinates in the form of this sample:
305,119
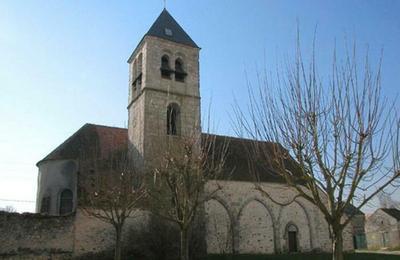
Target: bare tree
386,201
186,166
112,191
342,134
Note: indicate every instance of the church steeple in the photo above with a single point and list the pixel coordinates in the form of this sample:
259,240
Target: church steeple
167,28
164,91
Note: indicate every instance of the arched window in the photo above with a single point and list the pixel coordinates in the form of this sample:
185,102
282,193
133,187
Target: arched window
165,68
134,76
180,73
292,239
66,202
173,119
139,71
45,206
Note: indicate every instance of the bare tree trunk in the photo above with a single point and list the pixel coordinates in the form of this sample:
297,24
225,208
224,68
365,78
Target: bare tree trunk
184,244
337,244
118,239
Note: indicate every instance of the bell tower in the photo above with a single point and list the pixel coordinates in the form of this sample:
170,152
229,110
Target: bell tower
164,94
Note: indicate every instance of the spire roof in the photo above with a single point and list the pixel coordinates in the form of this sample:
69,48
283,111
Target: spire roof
166,27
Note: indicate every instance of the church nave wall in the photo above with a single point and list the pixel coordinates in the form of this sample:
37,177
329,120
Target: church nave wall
261,226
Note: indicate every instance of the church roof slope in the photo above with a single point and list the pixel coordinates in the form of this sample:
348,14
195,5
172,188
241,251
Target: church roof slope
100,141
90,140
166,27
392,212
352,210
238,167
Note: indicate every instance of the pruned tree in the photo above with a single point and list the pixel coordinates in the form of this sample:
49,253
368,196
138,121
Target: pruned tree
341,133
185,168
387,201
111,191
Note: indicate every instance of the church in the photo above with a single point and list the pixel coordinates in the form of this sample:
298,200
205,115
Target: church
164,103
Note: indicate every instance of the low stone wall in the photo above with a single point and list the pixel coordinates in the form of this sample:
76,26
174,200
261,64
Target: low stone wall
36,236
79,236
94,236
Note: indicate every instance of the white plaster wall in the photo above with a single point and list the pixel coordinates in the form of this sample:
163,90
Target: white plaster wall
55,176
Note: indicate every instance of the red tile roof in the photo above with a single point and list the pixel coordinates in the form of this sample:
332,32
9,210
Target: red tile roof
100,141
90,140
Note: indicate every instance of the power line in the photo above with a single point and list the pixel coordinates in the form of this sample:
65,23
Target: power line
23,201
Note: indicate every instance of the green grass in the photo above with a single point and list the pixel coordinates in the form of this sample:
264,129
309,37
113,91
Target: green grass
354,256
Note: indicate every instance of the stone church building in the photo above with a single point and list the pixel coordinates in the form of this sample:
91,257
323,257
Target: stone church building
164,104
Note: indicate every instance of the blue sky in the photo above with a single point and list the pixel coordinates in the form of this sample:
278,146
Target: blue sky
63,63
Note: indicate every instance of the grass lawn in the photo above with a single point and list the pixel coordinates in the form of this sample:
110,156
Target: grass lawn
353,256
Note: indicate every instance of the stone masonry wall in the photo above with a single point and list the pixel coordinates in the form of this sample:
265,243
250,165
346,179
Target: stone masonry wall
93,236
36,235
148,105
240,219
382,230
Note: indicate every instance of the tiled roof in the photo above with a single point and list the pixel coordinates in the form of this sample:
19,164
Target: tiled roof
103,140
392,212
90,140
237,166
352,210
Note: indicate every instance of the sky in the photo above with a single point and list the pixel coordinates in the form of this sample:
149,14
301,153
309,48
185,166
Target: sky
63,63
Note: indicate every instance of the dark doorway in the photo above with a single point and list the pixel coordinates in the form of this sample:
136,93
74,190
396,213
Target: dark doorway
291,230
292,236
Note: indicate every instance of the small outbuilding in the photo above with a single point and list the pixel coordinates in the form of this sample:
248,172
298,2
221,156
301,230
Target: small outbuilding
383,228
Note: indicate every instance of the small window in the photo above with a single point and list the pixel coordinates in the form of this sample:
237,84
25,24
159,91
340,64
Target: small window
165,68
66,202
139,71
173,119
45,206
168,32
134,71
180,74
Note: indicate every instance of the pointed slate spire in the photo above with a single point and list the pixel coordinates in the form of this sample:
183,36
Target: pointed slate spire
166,27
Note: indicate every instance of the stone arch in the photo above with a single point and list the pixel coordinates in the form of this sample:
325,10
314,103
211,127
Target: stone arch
219,227
311,226
295,214
168,52
255,228
180,55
